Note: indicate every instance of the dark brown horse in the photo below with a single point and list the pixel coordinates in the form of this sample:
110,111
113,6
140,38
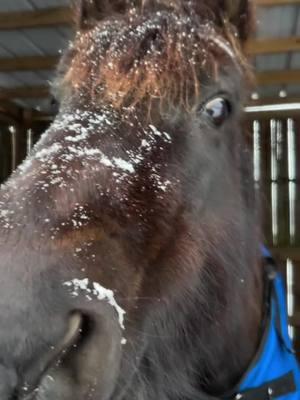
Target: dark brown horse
129,256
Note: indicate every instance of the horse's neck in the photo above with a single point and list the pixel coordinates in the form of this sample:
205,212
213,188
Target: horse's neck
207,347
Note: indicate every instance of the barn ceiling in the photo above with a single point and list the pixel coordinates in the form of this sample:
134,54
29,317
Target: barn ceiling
277,48
34,32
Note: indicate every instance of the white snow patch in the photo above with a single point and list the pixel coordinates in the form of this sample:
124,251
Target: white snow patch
159,133
145,144
164,185
123,164
78,138
44,154
98,291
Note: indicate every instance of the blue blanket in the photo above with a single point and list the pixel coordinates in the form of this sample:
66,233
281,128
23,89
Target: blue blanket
274,372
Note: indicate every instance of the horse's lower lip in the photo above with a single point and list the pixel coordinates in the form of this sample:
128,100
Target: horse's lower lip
52,358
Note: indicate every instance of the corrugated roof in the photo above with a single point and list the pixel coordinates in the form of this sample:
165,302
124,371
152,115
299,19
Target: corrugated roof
41,41
278,22
27,5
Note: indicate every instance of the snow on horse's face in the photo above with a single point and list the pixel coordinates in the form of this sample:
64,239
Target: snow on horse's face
105,228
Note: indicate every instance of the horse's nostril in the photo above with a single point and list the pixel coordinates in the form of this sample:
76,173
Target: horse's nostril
47,361
72,335
73,332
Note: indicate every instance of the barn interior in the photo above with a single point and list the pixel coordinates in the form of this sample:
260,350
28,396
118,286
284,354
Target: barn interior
33,33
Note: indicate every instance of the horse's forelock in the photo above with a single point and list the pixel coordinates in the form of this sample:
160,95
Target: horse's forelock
138,57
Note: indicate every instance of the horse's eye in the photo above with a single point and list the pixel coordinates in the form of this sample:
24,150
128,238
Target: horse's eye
217,110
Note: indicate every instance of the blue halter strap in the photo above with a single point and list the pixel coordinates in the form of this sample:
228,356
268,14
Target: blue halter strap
274,373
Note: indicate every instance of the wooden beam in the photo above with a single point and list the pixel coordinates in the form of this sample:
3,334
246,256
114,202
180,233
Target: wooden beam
278,77
270,3
28,63
286,252
36,19
278,45
11,109
24,92
38,116
295,320
273,101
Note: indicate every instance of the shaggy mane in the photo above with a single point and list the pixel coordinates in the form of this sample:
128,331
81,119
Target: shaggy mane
144,54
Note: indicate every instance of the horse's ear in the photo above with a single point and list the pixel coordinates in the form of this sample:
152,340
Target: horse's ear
240,13
89,12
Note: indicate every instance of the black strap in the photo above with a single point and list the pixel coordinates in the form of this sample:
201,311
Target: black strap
270,390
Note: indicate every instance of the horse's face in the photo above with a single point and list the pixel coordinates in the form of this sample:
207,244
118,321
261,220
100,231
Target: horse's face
105,228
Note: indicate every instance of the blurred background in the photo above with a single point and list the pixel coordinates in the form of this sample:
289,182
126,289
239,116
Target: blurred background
33,33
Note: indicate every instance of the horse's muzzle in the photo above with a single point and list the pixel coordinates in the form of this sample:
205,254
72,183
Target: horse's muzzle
14,386
51,359
85,359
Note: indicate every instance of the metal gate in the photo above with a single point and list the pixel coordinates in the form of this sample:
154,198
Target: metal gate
276,169
16,141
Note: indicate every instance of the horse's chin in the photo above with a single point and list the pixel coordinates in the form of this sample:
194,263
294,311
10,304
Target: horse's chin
88,365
